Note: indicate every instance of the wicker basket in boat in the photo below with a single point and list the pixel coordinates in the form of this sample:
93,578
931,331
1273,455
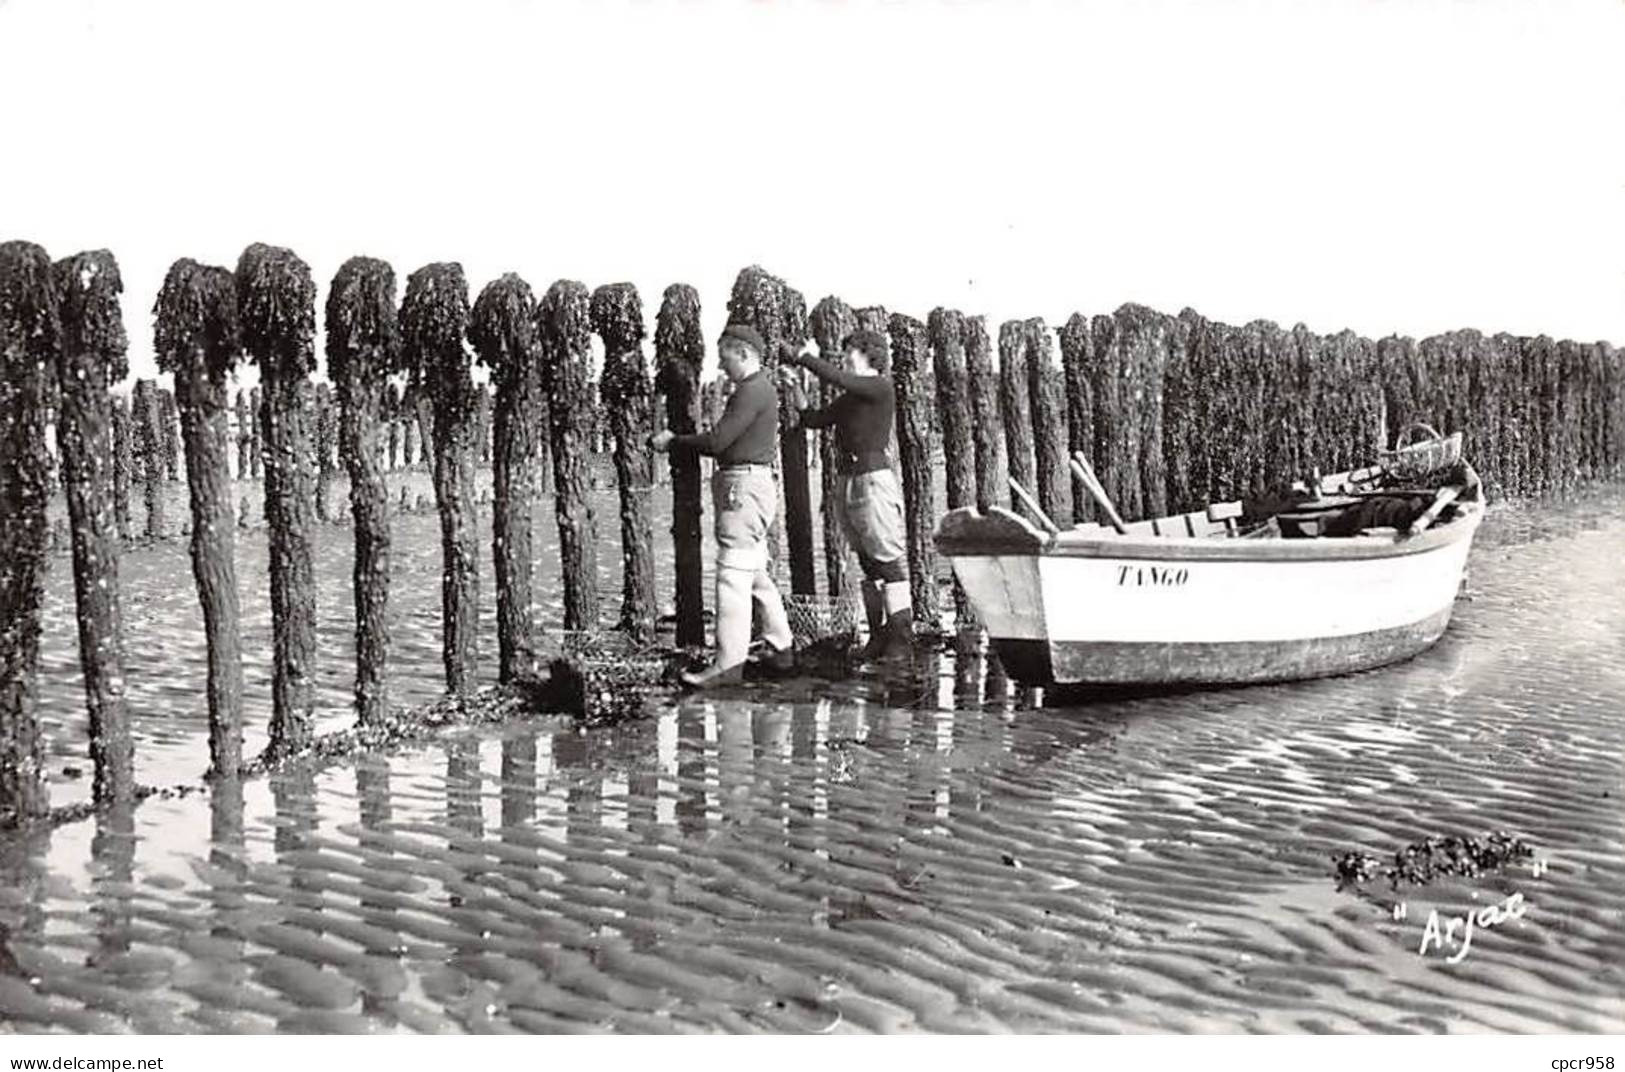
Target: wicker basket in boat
1413,459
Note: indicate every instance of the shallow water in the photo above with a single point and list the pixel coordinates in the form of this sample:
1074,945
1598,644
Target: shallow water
924,854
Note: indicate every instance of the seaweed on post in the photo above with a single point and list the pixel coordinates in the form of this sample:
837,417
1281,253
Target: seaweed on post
987,424
1046,385
276,306
363,351
564,329
914,402
503,331
195,337
433,323
679,355
29,337
628,396
832,321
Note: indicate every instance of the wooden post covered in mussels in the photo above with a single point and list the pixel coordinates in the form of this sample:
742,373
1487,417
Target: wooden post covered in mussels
503,331
679,355
123,464
987,424
947,333
433,324
29,337
914,402
832,321
195,338
564,328
628,396
149,453
363,351
276,306
90,360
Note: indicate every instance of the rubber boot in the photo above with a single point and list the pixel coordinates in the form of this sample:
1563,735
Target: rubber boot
899,630
874,608
733,630
899,634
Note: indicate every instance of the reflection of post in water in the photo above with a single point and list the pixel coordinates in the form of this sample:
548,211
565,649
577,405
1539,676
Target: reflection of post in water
583,800
933,739
666,753
112,856
518,783
736,748
774,731
23,869
809,766
996,696
696,739
226,849
643,784
463,787
372,792
293,792
690,769
970,669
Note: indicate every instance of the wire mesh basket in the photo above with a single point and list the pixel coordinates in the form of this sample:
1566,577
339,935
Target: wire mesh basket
1413,459
821,620
606,676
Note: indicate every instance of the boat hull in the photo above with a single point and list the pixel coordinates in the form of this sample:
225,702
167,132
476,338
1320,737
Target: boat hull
1096,662
1111,610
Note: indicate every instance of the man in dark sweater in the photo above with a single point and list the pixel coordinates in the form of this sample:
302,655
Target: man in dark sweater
869,501
745,499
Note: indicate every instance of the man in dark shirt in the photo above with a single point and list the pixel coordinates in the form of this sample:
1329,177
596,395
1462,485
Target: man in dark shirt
868,501
745,499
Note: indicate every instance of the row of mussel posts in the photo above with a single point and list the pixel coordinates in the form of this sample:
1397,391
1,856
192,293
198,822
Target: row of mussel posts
1175,412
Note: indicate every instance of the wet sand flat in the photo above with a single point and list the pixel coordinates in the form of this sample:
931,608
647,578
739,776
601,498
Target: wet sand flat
929,853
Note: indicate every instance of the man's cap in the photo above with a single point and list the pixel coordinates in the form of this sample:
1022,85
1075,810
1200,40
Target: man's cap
746,334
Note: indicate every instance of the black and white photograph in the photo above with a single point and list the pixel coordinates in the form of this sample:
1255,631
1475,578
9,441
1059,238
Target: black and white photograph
821,517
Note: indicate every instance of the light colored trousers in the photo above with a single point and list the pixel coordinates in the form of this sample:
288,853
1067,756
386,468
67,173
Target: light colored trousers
745,501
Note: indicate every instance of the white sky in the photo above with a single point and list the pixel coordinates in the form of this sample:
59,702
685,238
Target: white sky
1387,166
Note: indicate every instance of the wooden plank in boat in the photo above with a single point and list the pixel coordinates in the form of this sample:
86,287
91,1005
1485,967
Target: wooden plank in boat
1141,528
1172,526
1228,513
1203,526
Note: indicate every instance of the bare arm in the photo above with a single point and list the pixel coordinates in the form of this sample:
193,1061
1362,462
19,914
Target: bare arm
862,386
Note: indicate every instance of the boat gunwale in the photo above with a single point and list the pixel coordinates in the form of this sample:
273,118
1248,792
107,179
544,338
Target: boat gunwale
1111,545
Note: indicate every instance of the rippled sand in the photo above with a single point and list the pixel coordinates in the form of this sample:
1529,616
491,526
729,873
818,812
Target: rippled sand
922,854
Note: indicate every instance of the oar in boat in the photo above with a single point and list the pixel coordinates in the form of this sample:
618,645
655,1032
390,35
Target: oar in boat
1036,510
1084,472
1444,498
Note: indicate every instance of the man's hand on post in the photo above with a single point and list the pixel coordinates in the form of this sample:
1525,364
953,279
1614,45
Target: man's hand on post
661,441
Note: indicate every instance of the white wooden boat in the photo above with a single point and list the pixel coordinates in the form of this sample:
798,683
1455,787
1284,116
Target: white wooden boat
1190,599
